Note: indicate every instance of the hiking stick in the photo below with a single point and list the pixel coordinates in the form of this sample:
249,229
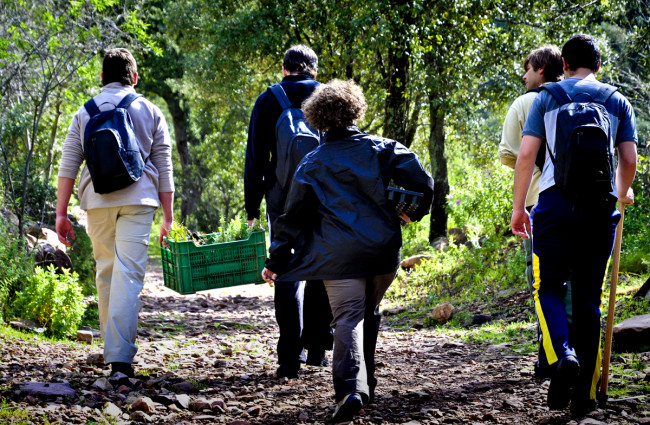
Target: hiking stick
609,330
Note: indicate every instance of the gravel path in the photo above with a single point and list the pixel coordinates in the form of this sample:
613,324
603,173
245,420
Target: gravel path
210,359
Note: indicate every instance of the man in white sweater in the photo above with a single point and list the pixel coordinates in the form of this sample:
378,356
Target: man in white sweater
119,223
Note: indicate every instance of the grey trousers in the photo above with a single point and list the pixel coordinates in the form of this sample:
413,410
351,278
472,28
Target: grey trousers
120,238
355,306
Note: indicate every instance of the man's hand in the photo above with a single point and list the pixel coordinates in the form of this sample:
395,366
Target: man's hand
627,198
520,223
269,277
164,231
405,217
63,229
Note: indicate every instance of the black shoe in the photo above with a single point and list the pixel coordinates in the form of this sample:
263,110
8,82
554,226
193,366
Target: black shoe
347,408
288,372
562,382
317,359
124,368
580,407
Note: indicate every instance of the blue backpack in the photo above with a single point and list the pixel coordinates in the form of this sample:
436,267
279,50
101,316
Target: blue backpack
583,157
111,148
294,137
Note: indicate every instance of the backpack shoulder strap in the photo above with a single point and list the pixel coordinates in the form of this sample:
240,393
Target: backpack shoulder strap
558,93
535,90
127,100
281,95
91,107
604,93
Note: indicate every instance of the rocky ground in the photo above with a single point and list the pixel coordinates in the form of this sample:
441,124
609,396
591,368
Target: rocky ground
209,359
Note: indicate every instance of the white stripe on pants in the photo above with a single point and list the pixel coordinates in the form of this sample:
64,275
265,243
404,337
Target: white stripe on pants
120,238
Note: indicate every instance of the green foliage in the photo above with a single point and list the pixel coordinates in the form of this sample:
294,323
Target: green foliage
480,198
83,261
461,275
415,238
235,230
17,264
53,300
635,252
12,415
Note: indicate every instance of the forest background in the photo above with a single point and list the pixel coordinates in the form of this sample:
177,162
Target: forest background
438,77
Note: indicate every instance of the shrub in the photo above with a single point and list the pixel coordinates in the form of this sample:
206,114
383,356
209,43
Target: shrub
53,300
16,266
83,262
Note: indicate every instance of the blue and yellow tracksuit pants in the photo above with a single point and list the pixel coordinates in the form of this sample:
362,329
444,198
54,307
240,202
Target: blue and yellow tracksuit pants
577,238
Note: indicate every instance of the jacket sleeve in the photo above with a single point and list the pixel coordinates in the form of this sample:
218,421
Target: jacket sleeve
72,156
258,158
161,152
405,169
299,210
511,137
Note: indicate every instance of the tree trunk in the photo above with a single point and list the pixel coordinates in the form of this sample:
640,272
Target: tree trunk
191,183
438,168
396,122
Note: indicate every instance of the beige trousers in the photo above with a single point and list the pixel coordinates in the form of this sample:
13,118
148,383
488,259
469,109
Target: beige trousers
120,238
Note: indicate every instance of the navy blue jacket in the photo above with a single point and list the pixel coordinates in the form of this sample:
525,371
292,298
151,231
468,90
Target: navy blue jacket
261,152
337,217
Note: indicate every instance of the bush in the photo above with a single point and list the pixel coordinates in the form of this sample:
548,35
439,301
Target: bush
17,266
83,262
53,300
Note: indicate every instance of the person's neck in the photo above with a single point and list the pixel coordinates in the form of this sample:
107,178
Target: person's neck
581,73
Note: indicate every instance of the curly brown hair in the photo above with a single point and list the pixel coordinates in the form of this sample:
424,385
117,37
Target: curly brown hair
337,104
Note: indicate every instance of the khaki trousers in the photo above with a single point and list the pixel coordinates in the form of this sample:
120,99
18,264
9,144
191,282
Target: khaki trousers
120,238
355,305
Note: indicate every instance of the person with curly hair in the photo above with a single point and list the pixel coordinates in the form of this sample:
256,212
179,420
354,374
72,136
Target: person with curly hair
339,227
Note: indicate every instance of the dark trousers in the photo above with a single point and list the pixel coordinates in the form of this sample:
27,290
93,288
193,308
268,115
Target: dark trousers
303,312
574,237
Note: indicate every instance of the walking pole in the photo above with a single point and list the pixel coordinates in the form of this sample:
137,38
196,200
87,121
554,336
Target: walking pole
609,330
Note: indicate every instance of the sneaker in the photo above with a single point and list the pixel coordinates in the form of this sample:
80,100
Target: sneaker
542,372
124,368
288,372
347,408
562,382
580,407
317,359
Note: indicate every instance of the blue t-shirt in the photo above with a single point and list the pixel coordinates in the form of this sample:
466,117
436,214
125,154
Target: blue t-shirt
542,116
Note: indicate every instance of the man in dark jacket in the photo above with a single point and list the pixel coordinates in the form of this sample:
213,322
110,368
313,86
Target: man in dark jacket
297,331
342,228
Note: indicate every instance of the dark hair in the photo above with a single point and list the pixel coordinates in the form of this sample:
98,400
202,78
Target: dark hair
581,51
548,57
337,104
119,67
300,59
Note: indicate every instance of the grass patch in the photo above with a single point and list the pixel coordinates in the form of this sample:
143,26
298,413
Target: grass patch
12,415
520,335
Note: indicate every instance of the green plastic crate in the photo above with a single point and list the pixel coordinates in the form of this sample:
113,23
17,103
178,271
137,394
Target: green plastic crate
188,268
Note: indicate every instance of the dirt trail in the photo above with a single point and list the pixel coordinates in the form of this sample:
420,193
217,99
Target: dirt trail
210,359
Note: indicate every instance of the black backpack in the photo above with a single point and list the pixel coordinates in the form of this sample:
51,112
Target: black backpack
111,148
295,138
583,157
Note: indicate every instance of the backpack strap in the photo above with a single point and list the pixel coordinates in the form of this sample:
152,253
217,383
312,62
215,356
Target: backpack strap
558,93
91,107
127,100
604,93
281,95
